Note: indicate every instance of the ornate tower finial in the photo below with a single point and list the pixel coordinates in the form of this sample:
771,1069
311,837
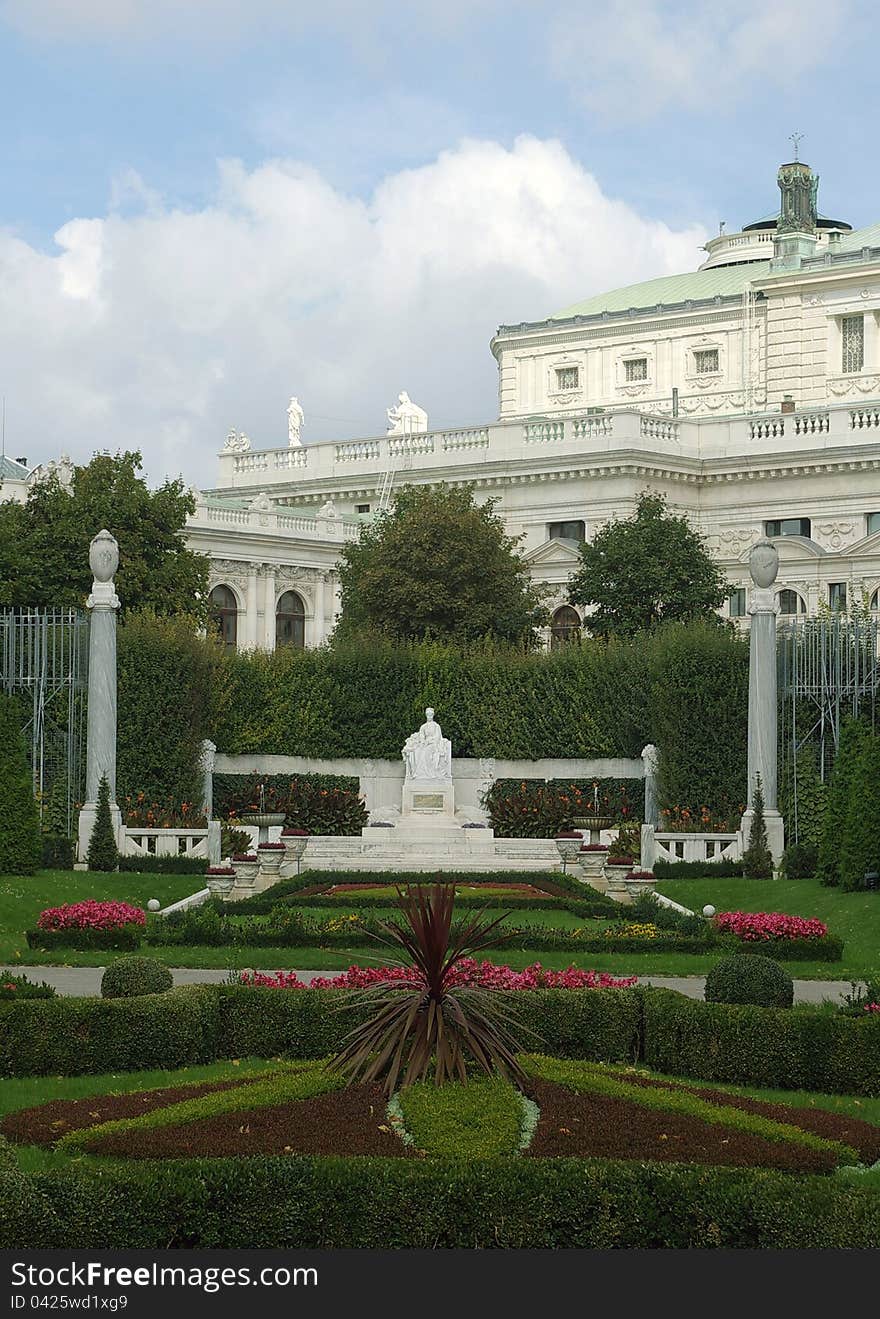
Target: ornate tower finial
796,138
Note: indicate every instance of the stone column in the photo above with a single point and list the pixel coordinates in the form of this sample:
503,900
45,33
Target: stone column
763,609
269,607
101,727
250,636
320,626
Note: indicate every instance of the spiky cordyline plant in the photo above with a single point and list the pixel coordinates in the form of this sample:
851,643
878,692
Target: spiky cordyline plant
433,1020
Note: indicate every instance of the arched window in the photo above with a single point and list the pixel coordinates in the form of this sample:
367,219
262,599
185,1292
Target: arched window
875,601
791,603
290,621
224,612
565,626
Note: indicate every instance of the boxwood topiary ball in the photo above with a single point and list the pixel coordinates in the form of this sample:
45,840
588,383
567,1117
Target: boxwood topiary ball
129,977
749,978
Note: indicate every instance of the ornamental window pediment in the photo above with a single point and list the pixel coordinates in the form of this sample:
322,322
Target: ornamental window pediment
565,380
635,370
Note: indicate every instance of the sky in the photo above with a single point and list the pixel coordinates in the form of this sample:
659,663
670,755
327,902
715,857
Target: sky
207,206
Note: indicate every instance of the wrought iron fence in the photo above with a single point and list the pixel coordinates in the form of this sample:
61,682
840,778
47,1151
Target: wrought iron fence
44,667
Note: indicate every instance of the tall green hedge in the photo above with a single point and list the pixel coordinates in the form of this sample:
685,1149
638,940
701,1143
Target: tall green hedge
164,689
20,847
684,689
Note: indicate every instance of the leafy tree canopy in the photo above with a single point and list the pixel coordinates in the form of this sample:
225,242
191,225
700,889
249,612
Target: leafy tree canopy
650,569
438,565
44,543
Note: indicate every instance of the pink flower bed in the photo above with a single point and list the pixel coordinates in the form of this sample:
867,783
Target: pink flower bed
468,972
90,915
753,927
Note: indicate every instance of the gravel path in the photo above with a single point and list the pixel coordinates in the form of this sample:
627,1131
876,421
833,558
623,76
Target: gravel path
82,981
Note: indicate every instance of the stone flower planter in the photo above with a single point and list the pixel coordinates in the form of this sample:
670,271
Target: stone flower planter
220,880
616,875
246,865
568,846
271,855
592,857
295,843
638,882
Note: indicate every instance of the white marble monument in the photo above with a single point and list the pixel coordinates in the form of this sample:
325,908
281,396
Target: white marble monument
427,784
406,417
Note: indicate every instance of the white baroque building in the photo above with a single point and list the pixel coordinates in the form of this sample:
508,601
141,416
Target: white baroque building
747,392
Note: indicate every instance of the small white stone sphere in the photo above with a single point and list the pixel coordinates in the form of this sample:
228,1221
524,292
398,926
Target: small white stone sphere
154,904
708,910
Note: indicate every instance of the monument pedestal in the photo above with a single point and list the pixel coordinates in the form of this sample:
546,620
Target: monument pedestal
87,815
428,800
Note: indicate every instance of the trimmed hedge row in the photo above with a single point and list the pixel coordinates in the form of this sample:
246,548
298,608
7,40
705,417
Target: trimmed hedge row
779,1048
164,865
698,870
371,1204
122,939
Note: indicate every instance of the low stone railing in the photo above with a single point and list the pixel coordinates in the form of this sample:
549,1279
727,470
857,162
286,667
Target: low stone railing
666,845
196,843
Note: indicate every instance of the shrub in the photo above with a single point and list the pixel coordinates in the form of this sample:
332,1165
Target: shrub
141,812
803,801
103,853
860,842
15,988
723,869
164,865
853,737
20,848
800,861
761,926
131,977
120,939
83,1036
757,861
749,979
90,915
306,1203
534,809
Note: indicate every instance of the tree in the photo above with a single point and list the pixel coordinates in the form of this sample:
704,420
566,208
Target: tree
859,842
651,568
19,824
438,565
854,737
757,859
44,544
103,853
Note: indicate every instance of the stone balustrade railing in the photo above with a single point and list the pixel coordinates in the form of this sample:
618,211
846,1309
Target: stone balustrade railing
663,845
585,436
316,528
203,844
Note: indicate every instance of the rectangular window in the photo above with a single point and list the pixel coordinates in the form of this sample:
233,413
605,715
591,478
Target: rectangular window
635,369
852,337
837,595
706,361
566,531
736,603
873,523
567,377
362,508
788,527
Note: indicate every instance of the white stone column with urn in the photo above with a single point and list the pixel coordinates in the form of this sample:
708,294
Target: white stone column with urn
101,727
763,610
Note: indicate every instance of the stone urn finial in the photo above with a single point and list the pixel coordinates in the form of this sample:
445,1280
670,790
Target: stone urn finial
764,563
103,556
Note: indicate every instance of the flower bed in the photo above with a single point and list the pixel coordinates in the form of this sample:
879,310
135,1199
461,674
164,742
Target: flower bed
468,972
753,927
90,915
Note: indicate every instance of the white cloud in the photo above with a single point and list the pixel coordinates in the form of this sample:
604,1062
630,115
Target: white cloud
633,59
160,330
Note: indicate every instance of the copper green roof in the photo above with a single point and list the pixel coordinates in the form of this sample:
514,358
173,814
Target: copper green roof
719,281
10,470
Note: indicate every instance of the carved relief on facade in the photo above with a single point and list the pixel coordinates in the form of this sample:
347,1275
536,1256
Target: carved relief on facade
734,541
841,386
229,572
833,534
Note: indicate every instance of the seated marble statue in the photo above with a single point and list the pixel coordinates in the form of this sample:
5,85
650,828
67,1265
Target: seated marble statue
427,753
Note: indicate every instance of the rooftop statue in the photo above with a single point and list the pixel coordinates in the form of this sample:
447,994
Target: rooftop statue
407,418
295,418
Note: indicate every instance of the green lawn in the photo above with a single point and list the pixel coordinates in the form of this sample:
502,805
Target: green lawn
23,897
853,917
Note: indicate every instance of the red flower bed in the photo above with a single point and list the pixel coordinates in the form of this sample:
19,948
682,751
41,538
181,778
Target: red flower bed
468,972
90,915
755,927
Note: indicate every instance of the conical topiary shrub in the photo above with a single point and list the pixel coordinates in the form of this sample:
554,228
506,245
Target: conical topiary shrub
757,859
19,821
103,853
854,737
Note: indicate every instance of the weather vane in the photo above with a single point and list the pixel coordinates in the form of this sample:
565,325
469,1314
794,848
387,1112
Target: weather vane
796,138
